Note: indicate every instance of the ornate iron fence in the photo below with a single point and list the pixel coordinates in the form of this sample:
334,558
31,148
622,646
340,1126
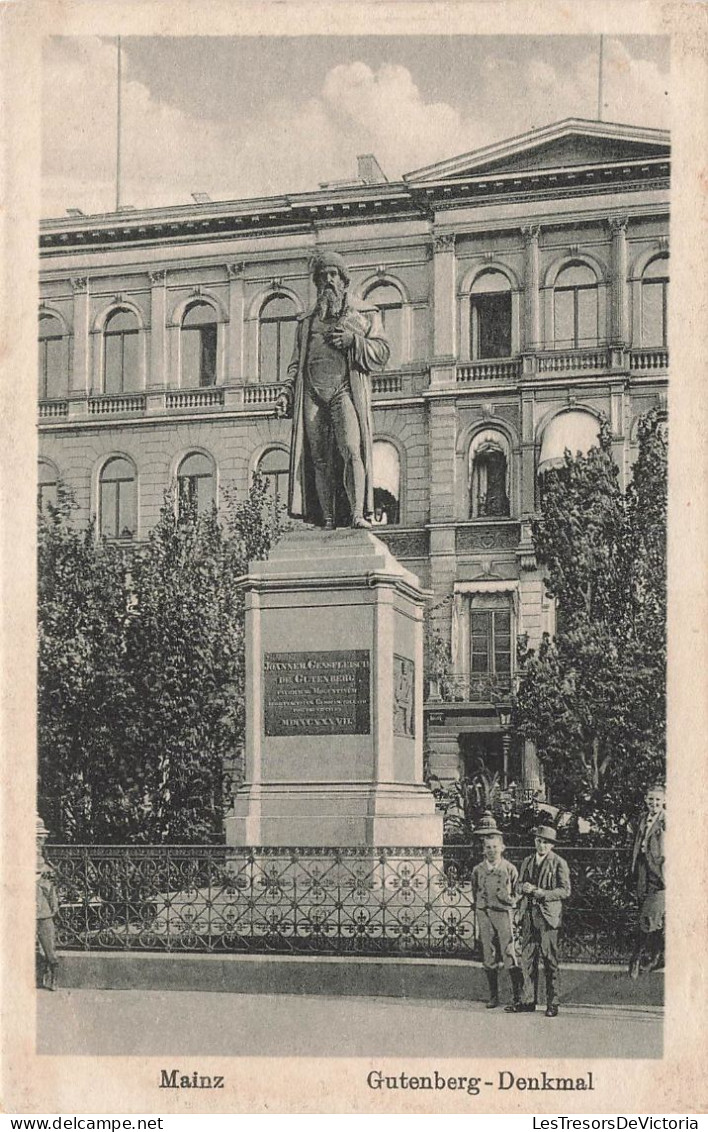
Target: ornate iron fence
349,901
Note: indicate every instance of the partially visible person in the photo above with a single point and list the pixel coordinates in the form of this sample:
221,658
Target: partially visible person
47,908
647,874
494,882
544,883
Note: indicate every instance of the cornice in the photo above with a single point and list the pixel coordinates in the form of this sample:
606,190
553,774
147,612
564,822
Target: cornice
324,210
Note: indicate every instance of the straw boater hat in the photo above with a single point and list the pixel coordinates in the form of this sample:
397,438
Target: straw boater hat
487,826
547,832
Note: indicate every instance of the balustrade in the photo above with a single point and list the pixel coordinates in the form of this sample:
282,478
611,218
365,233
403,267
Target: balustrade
502,369
120,403
573,361
194,398
50,409
646,360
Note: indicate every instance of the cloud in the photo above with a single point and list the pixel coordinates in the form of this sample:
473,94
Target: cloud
291,143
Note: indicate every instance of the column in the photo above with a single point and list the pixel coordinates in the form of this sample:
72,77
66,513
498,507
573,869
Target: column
233,373
79,376
444,309
620,314
531,338
157,371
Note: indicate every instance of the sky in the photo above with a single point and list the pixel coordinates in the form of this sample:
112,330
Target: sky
259,116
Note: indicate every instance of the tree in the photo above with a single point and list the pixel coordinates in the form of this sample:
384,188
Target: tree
82,620
592,698
162,728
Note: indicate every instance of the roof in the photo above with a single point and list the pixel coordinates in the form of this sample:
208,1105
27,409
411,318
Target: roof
573,141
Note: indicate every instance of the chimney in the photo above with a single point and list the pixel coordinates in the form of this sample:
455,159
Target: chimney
201,198
369,170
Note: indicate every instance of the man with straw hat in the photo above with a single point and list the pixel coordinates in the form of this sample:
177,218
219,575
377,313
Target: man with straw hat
544,883
494,882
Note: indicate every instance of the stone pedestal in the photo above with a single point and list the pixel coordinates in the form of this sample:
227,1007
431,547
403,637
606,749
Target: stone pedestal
334,698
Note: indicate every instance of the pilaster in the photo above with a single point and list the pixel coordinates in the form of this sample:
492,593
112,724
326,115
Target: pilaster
620,311
157,375
234,374
79,375
444,337
531,337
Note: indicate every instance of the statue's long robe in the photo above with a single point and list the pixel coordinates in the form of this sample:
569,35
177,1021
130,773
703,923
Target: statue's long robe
369,352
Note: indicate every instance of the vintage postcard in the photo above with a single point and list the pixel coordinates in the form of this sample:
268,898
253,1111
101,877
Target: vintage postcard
354,560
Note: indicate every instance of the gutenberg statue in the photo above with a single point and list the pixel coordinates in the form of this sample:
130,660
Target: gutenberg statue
327,394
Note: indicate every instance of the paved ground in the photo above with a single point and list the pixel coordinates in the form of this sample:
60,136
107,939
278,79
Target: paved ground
155,1023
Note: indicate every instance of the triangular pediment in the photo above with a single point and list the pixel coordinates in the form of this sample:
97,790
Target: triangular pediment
563,145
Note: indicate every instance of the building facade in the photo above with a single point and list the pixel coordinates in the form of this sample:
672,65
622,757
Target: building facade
524,291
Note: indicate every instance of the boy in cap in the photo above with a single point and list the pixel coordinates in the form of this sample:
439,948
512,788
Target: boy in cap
544,882
494,888
648,876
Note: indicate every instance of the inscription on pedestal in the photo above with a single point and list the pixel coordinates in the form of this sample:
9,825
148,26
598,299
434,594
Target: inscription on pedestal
317,693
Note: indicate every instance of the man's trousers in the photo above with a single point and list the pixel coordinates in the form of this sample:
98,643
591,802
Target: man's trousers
496,932
539,946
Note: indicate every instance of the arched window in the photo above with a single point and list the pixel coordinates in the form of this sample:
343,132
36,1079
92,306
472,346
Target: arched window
387,483
117,504
490,316
121,361
575,307
655,298
277,326
46,486
489,476
274,466
388,300
195,484
53,361
198,346
575,430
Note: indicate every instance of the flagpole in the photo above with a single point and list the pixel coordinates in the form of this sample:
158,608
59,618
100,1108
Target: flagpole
599,83
118,131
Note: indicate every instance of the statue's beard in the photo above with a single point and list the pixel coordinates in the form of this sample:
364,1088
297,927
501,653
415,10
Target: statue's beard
330,302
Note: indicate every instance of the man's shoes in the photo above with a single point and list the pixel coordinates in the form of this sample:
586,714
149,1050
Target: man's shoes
520,1008
492,1004
652,963
361,524
551,1012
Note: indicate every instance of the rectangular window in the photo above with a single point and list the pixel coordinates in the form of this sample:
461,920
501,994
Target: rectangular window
491,334
392,319
207,360
490,643
268,351
587,317
121,368
190,347
564,318
53,368
109,510
654,313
